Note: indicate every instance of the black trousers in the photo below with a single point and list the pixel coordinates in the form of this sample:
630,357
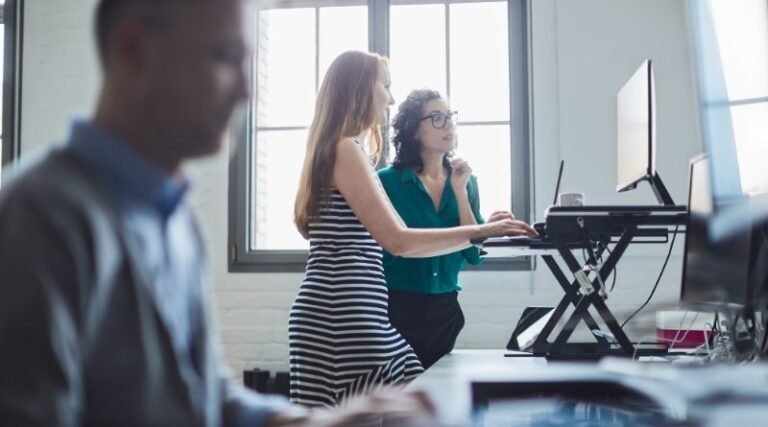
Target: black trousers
430,323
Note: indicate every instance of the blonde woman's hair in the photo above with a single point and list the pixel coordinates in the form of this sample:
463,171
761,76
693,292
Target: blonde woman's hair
344,108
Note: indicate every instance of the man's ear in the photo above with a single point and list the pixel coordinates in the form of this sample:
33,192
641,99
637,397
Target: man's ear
129,46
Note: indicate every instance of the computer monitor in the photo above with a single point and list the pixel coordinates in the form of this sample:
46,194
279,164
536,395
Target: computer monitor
636,122
716,275
730,52
636,134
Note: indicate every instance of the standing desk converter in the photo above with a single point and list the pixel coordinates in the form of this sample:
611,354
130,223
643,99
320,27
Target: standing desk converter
594,230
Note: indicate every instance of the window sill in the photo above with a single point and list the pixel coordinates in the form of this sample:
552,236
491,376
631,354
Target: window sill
296,261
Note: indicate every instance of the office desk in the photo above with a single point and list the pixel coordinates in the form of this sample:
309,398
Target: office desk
721,395
448,381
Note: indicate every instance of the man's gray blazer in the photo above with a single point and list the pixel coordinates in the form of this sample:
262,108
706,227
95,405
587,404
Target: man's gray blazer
81,338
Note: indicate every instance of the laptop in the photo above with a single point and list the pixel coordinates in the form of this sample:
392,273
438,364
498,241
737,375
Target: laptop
526,241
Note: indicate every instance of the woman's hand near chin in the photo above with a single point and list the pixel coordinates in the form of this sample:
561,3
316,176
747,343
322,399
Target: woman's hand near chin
460,175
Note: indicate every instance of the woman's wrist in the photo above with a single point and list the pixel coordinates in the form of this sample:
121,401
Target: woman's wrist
479,233
459,189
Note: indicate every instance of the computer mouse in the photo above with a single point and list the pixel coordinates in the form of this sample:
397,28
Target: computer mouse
540,227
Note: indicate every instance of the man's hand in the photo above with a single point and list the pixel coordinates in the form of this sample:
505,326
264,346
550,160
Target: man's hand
388,407
385,407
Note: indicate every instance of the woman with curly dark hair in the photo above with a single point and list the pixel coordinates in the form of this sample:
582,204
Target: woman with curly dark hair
429,189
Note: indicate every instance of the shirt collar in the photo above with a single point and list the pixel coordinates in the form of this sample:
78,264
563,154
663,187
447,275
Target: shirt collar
409,175
127,171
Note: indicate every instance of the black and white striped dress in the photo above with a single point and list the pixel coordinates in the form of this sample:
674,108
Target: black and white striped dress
341,341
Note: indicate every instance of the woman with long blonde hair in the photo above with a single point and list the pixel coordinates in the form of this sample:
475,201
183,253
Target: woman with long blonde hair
341,341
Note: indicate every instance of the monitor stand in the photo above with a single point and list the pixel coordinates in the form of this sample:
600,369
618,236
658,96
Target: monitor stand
660,190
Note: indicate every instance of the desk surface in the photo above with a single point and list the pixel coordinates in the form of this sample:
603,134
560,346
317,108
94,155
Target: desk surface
448,380
723,395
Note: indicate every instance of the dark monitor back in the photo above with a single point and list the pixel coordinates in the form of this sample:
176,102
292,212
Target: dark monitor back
715,274
636,128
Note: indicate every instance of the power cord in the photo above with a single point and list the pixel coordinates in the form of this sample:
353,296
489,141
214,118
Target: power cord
658,279
615,269
592,262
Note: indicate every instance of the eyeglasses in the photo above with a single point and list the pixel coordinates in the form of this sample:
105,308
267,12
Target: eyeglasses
439,120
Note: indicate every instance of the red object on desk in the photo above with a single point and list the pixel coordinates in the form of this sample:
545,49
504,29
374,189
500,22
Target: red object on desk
681,338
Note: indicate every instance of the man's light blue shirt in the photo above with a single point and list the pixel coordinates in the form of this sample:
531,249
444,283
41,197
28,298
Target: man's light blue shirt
153,212
159,221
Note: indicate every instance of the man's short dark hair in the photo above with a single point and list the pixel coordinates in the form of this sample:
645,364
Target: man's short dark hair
109,13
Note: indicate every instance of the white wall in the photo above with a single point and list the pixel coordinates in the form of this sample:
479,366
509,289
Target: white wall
583,50
60,70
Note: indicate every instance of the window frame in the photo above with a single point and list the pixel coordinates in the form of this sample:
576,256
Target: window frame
11,16
242,259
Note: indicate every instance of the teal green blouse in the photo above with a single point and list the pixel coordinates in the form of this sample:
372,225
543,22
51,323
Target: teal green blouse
435,275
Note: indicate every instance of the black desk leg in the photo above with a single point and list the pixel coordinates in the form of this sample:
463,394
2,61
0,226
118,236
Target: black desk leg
572,296
594,298
599,303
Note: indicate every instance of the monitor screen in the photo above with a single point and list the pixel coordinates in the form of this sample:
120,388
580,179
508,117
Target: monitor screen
715,274
636,122
730,46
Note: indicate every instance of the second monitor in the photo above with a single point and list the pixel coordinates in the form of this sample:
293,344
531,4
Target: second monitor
715,274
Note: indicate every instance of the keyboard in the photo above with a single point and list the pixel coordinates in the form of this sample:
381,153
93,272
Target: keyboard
505,247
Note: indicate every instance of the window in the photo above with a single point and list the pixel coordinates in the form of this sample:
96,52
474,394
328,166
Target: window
472,51
294,49
739,36
2,55
463,52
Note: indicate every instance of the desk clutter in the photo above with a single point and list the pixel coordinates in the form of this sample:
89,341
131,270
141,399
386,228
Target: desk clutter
623,392
727,276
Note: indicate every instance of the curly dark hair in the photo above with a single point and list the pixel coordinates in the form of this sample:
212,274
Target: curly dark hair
406,124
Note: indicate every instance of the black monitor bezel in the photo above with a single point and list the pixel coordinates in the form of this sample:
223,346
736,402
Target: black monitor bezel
689,303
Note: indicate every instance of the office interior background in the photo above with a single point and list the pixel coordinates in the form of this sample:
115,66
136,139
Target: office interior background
578,55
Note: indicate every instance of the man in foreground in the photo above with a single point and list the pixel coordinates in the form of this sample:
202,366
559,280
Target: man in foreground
104,313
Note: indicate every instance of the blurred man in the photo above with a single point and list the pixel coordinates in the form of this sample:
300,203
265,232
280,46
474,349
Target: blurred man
104,315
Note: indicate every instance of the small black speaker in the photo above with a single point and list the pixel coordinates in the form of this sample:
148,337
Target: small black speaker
283,384
256,379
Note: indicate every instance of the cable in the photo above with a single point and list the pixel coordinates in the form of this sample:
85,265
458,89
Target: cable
602,247
679,328
594,262
658,279
615,269
714,331
687,331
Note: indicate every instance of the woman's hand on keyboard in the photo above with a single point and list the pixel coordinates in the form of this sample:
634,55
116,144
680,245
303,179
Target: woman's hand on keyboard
507,227
500,215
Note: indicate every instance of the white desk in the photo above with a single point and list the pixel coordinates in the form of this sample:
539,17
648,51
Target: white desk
448,380
724,395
